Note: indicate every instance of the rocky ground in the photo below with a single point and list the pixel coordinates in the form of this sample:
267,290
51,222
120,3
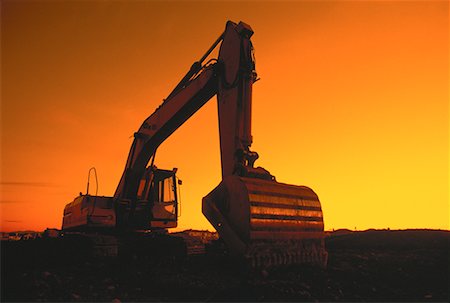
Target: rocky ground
405,266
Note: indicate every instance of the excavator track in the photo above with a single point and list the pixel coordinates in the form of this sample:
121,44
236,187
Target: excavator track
155,245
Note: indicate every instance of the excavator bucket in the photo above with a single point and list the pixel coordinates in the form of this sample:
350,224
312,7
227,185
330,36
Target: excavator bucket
267,222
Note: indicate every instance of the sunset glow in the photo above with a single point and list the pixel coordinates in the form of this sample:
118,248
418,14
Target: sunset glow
353,102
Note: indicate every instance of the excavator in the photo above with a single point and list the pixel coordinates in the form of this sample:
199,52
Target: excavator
264,221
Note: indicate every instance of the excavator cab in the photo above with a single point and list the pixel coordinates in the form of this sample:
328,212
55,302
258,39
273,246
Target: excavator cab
163,199
156,206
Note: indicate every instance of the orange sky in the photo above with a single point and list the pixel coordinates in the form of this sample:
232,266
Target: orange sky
353,102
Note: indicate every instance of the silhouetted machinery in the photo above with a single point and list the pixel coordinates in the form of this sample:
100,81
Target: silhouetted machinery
265,221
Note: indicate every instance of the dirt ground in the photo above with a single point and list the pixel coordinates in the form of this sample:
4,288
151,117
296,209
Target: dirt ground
374,265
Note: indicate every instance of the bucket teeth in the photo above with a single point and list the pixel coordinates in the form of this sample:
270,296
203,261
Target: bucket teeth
261,255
